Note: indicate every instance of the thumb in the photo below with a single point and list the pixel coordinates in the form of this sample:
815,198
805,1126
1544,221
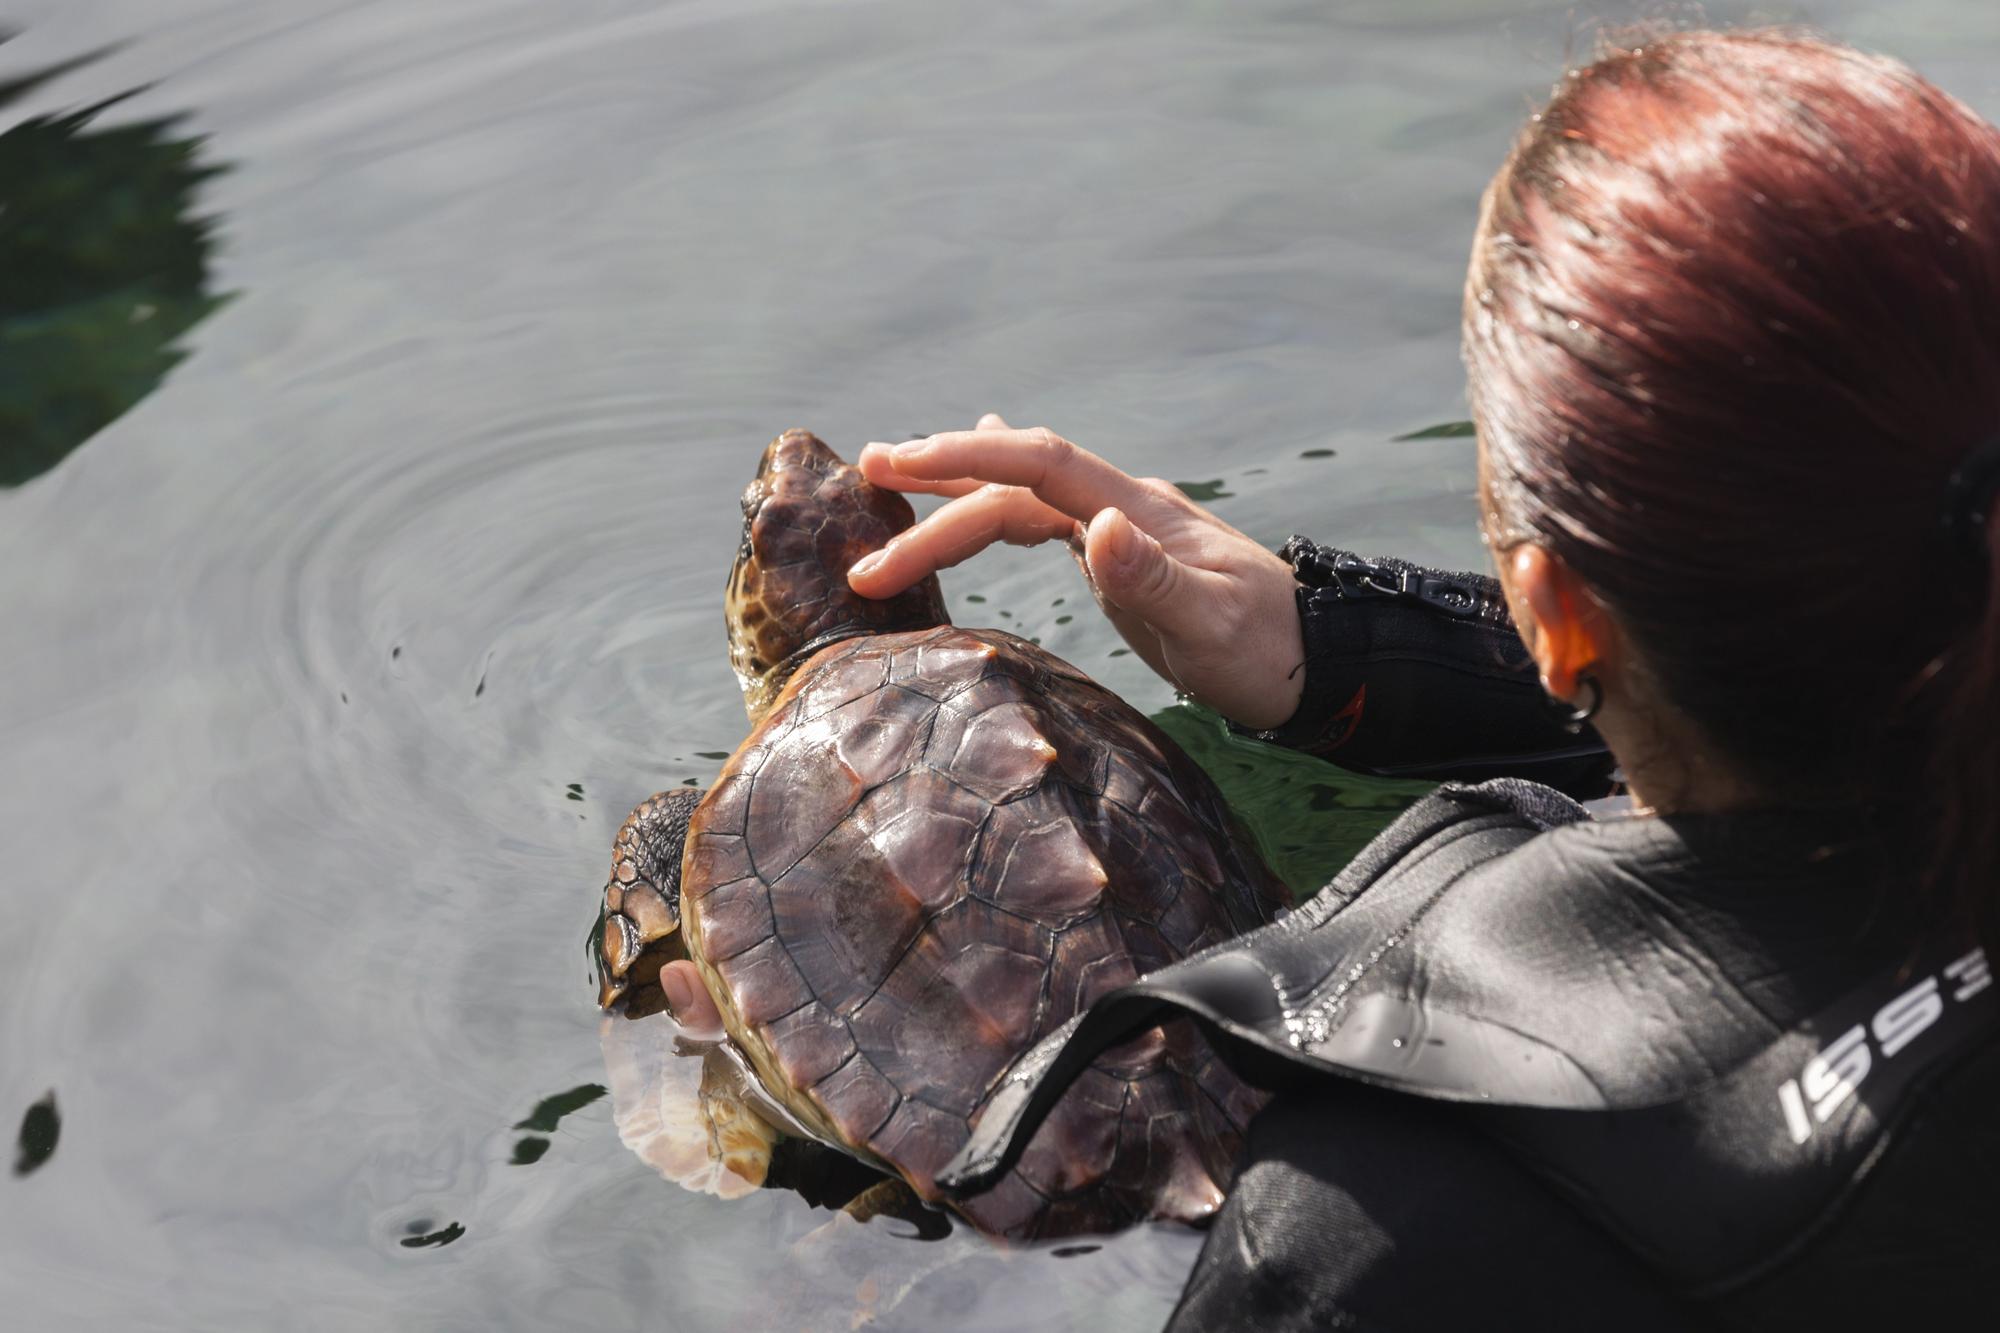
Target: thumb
688,999
1136,574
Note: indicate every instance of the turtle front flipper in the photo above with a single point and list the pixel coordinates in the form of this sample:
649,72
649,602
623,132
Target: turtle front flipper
642,901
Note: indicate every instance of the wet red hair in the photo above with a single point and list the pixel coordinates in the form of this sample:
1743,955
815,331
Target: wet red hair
1732,323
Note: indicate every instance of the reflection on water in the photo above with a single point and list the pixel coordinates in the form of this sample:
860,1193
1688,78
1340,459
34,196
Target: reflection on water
421,1236
1445,430
103,267
40,1128
688,1108
548,1113
1308,817
691,1109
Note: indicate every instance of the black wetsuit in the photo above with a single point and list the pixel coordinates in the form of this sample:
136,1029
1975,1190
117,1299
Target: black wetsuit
1540,1071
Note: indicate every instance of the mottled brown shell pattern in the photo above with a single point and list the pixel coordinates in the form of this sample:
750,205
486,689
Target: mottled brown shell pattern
936,848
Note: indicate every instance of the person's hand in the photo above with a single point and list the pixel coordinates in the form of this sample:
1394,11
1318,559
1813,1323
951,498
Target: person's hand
1202,604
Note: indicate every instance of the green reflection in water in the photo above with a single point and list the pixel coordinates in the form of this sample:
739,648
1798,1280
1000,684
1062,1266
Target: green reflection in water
40,1128
1308,817
1444,430
1204,491
550,1110
103,267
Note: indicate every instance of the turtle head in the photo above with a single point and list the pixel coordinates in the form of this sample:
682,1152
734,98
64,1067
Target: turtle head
638,927
807,517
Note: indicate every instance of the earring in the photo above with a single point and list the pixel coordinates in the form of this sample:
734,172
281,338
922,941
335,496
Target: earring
1576,718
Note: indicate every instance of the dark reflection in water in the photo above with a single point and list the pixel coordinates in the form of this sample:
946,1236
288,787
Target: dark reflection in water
548,1113
550,1110
40,1128
103,267
421,1237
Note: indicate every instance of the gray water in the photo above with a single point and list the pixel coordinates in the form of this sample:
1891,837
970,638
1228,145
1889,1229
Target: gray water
304,651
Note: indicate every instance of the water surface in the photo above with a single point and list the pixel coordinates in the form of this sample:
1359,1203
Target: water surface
332,661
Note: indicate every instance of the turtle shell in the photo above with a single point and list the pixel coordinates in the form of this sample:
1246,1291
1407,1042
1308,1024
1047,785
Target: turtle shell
935,849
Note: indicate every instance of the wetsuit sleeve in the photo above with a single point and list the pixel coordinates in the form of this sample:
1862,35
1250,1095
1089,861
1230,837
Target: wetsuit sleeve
1412,672
1357,1209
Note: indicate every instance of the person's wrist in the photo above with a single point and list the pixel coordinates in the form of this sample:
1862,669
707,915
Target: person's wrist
1266,648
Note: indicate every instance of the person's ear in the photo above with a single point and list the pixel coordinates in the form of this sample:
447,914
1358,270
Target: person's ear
1561,623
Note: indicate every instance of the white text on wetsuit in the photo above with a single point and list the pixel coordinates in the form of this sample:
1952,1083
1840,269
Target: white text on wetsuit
1831,1077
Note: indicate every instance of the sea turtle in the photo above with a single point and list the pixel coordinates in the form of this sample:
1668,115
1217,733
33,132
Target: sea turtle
936,846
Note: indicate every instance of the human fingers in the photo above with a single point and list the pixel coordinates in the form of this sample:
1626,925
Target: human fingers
875,465
1062,475
957,531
